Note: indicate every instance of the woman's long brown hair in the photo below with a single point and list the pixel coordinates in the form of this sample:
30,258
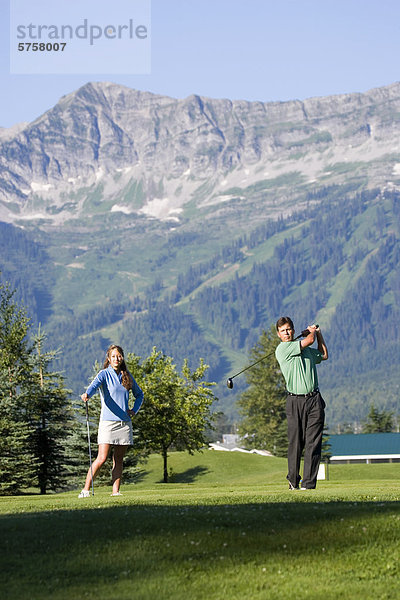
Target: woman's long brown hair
126,378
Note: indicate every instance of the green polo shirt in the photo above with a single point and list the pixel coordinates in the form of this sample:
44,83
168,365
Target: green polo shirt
298,366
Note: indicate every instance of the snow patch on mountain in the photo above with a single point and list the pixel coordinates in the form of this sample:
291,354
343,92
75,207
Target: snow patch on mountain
160,208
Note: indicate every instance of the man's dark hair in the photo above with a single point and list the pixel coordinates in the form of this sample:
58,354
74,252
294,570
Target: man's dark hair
284,321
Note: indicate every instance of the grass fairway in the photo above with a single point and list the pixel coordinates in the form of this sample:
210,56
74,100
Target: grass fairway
227,527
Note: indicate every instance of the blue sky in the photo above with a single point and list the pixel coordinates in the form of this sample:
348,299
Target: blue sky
267,50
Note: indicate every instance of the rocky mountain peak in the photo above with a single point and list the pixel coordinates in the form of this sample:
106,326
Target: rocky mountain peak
110,138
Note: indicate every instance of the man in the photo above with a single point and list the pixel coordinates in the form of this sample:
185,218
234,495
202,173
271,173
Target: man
304,404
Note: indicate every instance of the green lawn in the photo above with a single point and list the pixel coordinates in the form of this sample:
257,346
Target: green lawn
227,527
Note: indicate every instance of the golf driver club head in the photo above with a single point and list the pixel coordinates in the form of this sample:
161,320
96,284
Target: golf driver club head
229,383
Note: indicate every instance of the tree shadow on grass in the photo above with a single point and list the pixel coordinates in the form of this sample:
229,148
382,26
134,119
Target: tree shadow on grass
137,477
188,476
49,549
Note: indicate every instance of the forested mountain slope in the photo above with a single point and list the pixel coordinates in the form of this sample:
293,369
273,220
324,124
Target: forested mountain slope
336,263
194,224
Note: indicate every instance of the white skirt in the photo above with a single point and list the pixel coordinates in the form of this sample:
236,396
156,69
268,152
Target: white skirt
118,433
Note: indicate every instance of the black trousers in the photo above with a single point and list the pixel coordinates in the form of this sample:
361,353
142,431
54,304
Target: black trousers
305,423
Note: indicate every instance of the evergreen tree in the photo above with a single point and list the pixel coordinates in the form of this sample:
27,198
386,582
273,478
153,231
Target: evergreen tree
35,416
176,413
378,422
14,347
326,445
17,462
50,417
263,403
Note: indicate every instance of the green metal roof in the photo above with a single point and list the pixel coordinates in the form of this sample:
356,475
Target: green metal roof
364,443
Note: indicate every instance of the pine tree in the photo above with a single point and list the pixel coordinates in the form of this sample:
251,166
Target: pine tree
35,415
378,421
51,419
263,403
17,462
326,446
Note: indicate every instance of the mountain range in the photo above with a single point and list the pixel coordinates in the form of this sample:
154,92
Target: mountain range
194,224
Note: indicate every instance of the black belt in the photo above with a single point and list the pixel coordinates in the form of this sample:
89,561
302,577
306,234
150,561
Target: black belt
304,395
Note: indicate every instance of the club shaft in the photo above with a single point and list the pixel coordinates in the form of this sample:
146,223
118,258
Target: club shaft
260,359
90,449
253,365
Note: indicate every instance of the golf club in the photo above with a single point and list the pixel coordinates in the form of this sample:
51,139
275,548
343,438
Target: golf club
90,449
229,381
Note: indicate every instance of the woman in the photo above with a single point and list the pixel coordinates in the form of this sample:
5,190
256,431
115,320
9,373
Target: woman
115,427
